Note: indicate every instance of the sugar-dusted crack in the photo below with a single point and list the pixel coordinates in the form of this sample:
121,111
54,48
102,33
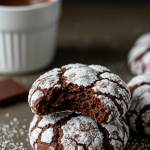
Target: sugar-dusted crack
140,57
133,88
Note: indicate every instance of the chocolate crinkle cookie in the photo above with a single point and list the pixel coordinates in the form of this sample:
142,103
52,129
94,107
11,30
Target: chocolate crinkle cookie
71,131
139,55
139,112
91,90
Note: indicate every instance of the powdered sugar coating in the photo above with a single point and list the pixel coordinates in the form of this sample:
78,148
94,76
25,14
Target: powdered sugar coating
81,132
31,91
53,118
34,136
80,127
47,135
148,73
36,147
37,125
137,50
145,38
114,78
146,121
115,130
138,80
38,94
77,65
139,55
99,68
108,87
32,124
140,98
84,76
126,135
123,106
51,148
116,144
111,109
139,112
45,81
77,79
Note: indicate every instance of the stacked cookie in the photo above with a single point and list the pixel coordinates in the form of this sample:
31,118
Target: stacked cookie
139,63
79,107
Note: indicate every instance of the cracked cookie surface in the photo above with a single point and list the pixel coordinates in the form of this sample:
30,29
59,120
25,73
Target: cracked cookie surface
139,55
71,131
92,90
139,112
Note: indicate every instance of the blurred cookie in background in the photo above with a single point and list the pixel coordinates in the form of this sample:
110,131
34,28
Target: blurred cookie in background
139,55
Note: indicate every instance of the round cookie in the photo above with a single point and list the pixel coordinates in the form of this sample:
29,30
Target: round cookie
139,55
70,131
139,112
92,90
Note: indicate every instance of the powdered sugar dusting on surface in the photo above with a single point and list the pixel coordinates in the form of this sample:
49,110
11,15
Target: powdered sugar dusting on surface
146,58
126,133
14,134
99,68
137,50
108,87
137,80
136,67
80,148
45,81
123,106
36,147
84,76
111,109
51,148
115,130
53,118
132,122
83,130
34,87
116,144
140,98
141,46
32,124
143,38
115,78
52,78
34,135
38,94
146,121
77,65
47,135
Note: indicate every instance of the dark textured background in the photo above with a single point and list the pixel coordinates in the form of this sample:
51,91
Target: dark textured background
135,2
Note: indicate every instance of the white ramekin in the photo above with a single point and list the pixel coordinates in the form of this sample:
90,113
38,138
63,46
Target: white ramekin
28,36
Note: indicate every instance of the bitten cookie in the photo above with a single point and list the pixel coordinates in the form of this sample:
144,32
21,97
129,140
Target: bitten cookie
70,131
139,55
139,112
92,90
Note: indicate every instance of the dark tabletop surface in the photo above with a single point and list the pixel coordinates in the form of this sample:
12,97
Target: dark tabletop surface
76,43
